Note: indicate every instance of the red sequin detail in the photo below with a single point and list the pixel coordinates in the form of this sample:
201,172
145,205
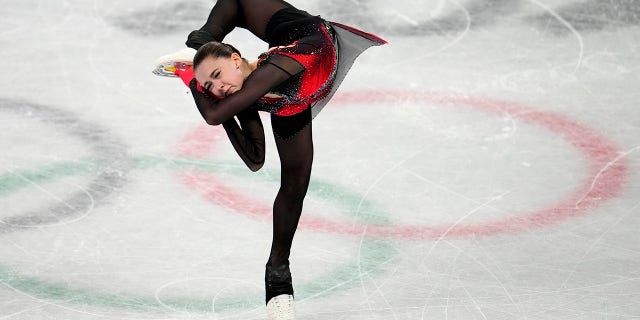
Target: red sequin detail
317,78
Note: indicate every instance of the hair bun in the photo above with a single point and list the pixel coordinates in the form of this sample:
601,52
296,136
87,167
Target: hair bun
232,48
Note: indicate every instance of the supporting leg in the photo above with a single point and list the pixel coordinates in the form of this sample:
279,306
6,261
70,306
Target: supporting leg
296,158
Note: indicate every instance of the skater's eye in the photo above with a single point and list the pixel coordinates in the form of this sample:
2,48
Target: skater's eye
214,74
207,86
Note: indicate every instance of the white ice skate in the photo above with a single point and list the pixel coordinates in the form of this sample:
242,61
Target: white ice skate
281,308
168,64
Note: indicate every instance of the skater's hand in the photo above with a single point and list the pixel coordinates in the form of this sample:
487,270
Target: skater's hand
199,92
202,98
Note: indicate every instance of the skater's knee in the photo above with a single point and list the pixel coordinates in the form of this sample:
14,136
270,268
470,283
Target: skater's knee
295,180
294,191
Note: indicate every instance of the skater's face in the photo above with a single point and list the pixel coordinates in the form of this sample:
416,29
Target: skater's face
220,76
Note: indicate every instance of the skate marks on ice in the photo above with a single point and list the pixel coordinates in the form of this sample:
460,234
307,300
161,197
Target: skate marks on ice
409,18
181,16
108,163
103,174
591,15
373,16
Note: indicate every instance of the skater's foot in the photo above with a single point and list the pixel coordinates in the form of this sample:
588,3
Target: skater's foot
279,292
281,308
168,65
277,281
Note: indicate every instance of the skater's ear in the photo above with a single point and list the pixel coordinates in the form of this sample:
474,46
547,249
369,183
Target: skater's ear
236,58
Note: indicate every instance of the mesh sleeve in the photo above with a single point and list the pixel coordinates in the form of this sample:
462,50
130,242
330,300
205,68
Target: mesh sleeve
284,63
247,138
259,83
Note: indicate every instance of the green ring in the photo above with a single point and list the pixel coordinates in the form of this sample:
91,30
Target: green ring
373,252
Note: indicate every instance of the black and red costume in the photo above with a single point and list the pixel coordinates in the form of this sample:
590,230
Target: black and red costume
307,60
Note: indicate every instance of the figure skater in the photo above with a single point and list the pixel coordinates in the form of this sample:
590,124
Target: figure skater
307,60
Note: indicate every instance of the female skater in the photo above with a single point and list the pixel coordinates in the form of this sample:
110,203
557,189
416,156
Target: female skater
308,59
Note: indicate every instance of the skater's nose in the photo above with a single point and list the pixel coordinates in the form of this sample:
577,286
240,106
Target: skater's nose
217,88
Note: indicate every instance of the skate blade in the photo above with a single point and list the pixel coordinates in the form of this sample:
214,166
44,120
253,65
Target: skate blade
169,69
281,308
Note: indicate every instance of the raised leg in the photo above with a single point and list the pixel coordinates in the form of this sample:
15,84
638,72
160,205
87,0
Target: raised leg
226,15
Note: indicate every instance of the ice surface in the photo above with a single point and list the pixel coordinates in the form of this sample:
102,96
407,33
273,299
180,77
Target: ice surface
483,165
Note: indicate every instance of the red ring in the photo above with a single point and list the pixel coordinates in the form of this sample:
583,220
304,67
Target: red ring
607,172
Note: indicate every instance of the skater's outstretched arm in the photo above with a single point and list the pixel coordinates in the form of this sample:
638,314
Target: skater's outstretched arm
268,76
247,138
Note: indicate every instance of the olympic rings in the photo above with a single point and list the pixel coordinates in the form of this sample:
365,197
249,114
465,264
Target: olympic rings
604,180
108,165
109,162
606,174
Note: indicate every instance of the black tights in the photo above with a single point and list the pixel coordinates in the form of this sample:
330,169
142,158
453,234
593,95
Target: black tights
296,159
247,137
226,15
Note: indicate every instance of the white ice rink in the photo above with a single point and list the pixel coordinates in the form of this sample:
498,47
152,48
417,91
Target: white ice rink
483,165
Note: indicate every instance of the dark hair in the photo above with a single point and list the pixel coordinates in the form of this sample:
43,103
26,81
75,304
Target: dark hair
214,49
